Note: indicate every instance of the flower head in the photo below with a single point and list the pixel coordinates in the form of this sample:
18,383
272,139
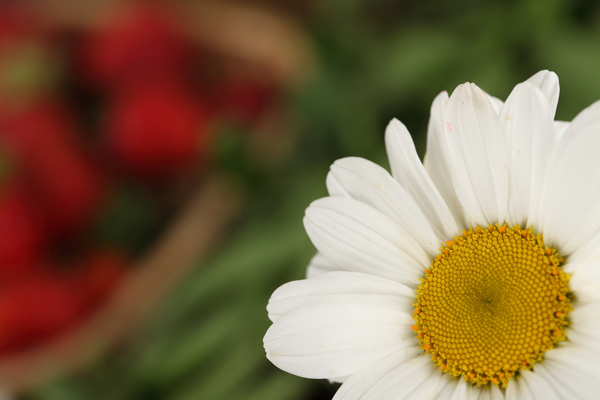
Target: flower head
473,275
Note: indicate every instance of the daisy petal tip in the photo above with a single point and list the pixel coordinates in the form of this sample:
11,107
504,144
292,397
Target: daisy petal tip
349,163
438,104
469,93
529,90
306,220
547,82
394,127
273,317
545,77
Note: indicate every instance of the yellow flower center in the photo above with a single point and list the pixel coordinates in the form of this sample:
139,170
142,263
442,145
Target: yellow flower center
491,303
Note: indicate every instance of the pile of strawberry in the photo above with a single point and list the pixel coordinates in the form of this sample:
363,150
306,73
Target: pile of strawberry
91,119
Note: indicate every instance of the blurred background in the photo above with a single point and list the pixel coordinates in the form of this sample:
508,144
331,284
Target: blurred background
156,158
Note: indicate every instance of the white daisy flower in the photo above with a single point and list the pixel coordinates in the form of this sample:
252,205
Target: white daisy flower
473,276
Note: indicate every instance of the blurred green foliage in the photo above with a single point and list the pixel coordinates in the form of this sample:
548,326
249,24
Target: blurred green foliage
130,220
378,60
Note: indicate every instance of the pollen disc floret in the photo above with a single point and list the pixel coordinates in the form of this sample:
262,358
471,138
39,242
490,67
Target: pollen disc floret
491,303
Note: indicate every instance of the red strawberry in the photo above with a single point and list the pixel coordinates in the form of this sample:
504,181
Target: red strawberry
68,186
135,42
244,99
100,274
22,235
17,22
35,311
156,128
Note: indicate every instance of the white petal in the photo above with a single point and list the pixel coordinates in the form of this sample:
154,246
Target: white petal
470,392
495,393
369,183
517,391
497,104
319,265
460,393
579,338
530,142
562,391
437,160
396,377
512,390
585,283
460,389
575,358
536,386
479,167
586,292
330,341
584,267
408,170
569,212
584,330
585,256
448,390
339,379
466,391
340,287
560,127
431,389
334,187
571,371
358,238
474,392
547,82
